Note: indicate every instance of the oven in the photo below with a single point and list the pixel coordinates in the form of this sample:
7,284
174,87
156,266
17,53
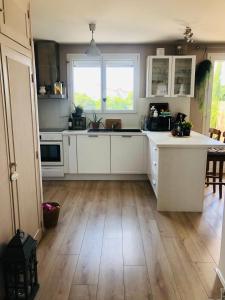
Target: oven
52,160
51,153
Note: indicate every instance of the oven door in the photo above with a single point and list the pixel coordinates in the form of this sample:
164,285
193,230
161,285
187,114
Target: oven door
51,153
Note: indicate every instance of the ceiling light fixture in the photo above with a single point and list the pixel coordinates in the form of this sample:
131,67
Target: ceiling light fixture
188,35
92,50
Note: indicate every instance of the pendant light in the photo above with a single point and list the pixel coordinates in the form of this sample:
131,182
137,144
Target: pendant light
92,50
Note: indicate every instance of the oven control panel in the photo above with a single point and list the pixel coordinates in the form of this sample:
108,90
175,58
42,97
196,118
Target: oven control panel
50,136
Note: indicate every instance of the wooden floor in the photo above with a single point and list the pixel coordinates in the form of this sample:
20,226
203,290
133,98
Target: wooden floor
112,244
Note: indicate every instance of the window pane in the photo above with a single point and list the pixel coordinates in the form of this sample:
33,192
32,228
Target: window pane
119,87
87,87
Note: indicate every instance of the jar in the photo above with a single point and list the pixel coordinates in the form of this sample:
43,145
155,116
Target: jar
58,88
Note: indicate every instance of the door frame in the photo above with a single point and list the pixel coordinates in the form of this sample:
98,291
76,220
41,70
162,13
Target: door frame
208,93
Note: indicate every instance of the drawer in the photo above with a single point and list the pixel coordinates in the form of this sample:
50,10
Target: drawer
154,183
154,167
154,152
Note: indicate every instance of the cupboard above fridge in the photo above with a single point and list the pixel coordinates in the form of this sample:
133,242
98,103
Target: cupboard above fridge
170,76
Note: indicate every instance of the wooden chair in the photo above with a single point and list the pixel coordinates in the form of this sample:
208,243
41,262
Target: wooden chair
216,156
224,136
214,133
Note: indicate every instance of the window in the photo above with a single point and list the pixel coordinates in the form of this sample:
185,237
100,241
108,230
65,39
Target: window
109,84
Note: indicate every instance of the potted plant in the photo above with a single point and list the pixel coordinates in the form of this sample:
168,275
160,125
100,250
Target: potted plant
78,111
186,128
96,122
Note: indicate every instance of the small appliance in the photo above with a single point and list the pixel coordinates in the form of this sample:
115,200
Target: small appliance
159,118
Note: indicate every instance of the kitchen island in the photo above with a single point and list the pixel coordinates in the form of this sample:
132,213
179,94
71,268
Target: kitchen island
176,169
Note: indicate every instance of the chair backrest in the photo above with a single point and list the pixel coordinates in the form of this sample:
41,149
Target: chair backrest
214,133
224,136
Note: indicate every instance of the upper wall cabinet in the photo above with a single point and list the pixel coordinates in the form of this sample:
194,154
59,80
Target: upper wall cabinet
158,75
14,21
170,76
183,76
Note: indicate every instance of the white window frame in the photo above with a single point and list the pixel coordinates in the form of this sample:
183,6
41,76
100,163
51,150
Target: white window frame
133,58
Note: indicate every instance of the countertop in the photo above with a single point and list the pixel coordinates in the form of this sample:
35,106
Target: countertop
195,140
85,132
161,139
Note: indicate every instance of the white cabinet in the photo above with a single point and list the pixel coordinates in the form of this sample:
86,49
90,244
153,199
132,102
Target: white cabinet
70,154
153,165
183,76
158,76
93,154
170,76
14,21
127,154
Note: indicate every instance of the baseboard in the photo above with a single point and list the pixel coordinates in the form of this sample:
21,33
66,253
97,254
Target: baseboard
137,177
220,275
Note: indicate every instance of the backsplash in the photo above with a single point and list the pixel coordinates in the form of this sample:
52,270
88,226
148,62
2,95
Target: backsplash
54,113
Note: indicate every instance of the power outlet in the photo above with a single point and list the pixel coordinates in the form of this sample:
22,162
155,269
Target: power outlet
222,294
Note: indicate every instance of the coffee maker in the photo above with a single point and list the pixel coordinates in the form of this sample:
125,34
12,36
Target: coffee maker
159,117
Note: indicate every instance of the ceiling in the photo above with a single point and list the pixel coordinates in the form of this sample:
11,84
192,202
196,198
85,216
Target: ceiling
128,21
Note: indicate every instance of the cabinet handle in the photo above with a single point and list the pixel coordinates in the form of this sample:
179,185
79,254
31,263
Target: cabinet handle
69,140
126,136
93,136
155,163
13,166
153,182
14,176
1,10
155,148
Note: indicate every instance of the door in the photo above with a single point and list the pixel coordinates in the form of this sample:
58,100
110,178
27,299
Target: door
14,21
127,154
6,218
183,76
23,143
214,116
93,154
159,76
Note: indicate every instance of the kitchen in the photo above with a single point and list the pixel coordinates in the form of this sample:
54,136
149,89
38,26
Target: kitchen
119,122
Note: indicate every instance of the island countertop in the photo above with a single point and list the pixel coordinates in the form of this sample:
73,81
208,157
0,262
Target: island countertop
195,140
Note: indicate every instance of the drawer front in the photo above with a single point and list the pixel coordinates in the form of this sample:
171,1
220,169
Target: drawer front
154,183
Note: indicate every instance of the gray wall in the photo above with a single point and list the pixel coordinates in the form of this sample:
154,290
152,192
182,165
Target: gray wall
54,113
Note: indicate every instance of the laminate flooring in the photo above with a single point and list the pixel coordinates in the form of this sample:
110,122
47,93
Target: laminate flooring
112,244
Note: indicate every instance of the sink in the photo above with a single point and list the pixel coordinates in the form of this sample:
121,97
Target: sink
114,130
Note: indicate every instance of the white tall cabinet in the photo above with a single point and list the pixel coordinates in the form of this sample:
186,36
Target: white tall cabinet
170,76
20,186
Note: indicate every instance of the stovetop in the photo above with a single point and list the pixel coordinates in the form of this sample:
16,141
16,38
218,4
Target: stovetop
51,130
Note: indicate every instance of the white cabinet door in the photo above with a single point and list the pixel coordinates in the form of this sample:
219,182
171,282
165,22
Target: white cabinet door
93,154
127,154
183,76
72,154
158,76
14,20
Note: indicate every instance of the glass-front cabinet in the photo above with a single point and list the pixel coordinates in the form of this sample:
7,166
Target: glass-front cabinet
170,76
183,75
159,76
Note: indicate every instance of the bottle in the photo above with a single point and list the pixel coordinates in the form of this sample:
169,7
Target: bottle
155,114
70,123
